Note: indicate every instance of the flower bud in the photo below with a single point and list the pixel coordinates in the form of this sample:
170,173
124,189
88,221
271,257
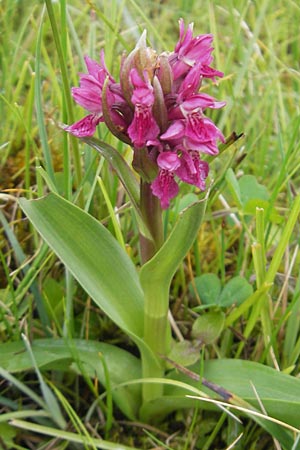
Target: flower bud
142,58
164,74
159,109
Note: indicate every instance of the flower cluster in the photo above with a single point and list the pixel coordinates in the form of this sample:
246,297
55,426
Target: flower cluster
157,109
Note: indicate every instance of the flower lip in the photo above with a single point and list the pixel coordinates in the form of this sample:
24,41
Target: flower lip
143,126
86,126
165,188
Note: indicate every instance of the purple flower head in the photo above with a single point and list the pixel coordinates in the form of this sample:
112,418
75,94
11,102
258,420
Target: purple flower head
157,109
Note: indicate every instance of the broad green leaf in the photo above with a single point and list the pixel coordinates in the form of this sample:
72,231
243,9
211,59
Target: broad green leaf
93,256
278,392
208,327
184,353
81,356
233,186
238,380
208,288
165,262
251,189
235,292
156,274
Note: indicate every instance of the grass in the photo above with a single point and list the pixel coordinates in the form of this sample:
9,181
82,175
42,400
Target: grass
257,47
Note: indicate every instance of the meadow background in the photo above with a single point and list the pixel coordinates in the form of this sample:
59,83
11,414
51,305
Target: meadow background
257,46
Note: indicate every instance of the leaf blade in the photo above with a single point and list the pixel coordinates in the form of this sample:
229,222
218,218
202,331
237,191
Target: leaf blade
93,256
78,355
156,274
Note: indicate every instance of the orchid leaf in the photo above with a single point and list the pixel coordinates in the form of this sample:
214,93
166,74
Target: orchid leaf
156,274
255,383
244,384
83,357
93,256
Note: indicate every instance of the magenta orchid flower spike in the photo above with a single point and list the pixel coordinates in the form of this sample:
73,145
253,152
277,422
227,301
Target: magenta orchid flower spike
157,109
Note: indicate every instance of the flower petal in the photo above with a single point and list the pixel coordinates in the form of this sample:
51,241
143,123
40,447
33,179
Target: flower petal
165,188
175,131
168,161
85,126
190,51
192,169
143,127
203,101
88,98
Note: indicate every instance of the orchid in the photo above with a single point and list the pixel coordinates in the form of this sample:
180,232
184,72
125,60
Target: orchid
109,287
157,109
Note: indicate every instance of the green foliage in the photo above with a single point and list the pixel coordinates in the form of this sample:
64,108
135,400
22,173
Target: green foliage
245,261
209,289
78,356
8,433
93,256
244,384
184,353
208,327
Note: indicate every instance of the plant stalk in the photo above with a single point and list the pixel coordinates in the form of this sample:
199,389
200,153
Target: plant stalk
152,215
156,300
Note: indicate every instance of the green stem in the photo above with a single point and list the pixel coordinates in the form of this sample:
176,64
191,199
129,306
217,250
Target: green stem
152,215
156,276
156,336
156,300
